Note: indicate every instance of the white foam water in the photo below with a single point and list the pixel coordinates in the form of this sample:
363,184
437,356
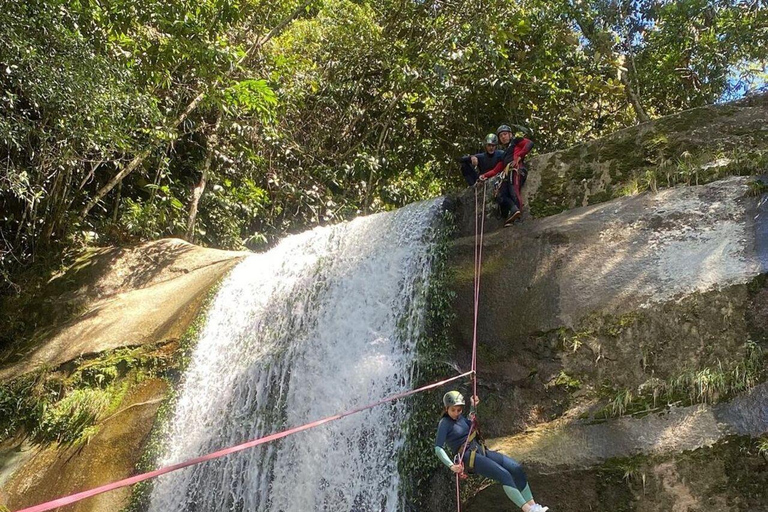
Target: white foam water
324,322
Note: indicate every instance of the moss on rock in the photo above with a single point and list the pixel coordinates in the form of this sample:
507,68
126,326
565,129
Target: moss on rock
693,147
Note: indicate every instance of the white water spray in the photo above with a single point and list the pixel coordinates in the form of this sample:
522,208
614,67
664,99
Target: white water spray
325,322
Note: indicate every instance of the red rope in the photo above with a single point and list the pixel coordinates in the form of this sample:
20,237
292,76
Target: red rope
516,181
67,500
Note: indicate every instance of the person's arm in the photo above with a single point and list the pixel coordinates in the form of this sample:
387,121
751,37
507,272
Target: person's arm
444,458
472,159
518,151
442,433
493,172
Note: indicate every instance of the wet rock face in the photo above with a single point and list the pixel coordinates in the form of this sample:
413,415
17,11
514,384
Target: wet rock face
728,477
624,293
47,473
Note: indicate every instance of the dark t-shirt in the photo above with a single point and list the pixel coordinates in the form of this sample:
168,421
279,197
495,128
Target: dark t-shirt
453,432
486,162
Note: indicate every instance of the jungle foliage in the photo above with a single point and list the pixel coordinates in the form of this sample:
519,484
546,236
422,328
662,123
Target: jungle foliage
233,122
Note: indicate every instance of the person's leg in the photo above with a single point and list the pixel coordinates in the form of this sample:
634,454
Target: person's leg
490,469
519,178
469,173
516,471
516,195
506,205
512,466
527,494
512,210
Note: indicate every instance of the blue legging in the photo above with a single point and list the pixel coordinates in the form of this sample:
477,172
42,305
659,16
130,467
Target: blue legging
498,467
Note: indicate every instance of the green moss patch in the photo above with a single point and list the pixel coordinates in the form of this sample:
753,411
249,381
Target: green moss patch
64,406
416,462
691,148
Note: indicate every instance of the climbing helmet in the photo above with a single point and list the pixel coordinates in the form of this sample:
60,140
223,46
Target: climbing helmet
491,139
453,398
504,128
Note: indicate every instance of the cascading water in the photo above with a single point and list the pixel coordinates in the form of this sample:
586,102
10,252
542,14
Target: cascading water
326,321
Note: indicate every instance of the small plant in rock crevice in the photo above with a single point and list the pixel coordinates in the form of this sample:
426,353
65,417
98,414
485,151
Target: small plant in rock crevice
706,385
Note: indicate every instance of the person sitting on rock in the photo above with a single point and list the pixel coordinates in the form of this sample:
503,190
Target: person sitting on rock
482,162
514,173
456,430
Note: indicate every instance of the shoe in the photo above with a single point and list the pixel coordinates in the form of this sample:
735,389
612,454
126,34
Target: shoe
538,508
511,219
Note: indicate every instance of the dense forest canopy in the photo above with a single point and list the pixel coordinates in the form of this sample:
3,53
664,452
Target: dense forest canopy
233,122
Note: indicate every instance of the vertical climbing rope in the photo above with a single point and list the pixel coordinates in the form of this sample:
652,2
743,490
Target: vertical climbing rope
478,260
478,264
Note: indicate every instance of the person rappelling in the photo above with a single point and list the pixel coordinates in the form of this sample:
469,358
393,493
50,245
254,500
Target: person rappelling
463,438
513,174
474,165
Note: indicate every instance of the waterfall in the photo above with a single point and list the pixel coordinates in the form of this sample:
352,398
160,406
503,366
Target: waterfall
324,322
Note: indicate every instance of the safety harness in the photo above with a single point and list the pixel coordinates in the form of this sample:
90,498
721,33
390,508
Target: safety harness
473,443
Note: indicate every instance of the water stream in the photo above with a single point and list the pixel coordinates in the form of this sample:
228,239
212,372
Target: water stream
324,322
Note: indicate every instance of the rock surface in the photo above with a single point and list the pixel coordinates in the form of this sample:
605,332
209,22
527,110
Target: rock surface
48,473
727,477
132,296
706,138
625,292
565,445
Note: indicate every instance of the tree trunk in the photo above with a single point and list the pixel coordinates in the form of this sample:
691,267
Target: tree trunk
116,210
199,189
634,98
139,159
136,162
593,32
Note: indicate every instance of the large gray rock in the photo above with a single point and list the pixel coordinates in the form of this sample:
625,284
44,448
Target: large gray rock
568,444
695,146
727,477
624,292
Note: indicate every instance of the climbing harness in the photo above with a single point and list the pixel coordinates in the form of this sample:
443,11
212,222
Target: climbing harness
513,175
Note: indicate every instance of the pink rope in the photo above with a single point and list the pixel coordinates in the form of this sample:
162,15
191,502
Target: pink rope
458,492
67,500
478,265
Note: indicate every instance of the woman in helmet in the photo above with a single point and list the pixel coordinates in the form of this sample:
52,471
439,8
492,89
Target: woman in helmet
483,162
454,430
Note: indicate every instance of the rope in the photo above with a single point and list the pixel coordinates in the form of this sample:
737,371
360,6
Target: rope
479,231
516,181
67,500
